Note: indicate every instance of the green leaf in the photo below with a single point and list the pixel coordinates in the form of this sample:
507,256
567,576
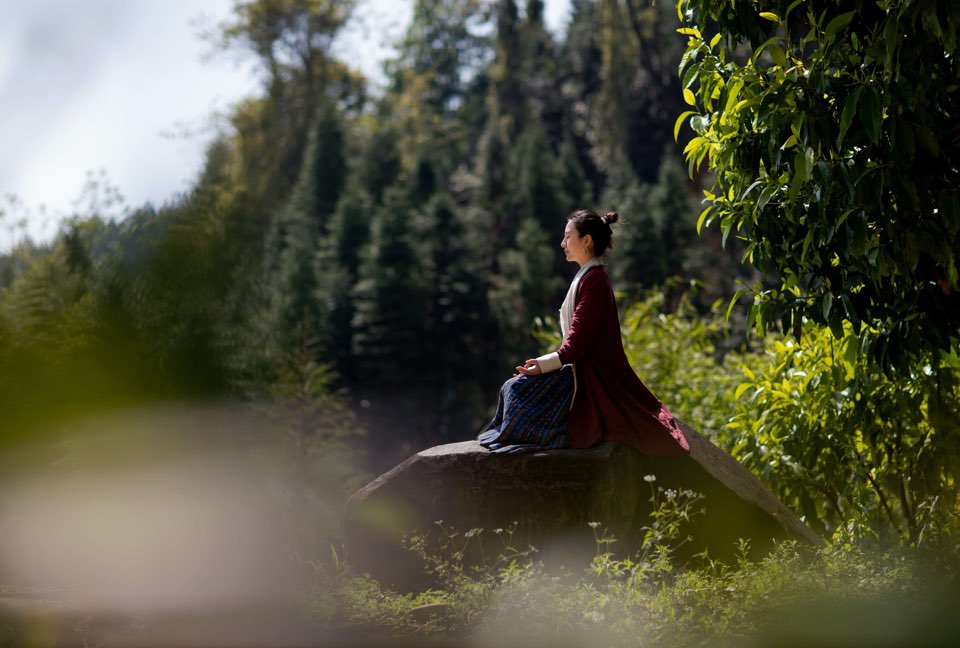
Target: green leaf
682,118
689,97
726,233
826,304
849,110
838,24
694,146
807,241
754,185
852,315
928,141
769,15
776,53
890,39
870,114
948,208
793,5
757,52
766,195
836,327
808,161
703,218
715,40
736,297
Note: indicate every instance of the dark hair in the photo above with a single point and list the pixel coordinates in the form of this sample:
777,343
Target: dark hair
589,222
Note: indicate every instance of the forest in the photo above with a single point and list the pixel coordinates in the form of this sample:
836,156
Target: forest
363,266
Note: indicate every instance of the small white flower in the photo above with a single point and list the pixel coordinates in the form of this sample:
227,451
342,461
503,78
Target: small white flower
650,478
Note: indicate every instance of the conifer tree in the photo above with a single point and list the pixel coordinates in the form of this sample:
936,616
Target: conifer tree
456,306
536,177
539,70
574,187
525,288
300,320
380,164
389,297
339,261
508,97
674,210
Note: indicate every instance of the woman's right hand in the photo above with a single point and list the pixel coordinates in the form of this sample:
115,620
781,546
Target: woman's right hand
530,368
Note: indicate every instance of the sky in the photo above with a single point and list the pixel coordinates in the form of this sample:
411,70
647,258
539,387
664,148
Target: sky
128,92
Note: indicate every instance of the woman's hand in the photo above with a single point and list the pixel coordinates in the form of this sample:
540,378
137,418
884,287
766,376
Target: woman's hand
530,368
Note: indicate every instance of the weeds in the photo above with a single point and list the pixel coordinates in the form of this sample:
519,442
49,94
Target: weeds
496,593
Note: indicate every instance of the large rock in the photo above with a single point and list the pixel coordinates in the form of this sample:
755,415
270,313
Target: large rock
553,496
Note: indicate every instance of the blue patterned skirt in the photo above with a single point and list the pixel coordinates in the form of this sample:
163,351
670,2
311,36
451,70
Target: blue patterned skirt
531,413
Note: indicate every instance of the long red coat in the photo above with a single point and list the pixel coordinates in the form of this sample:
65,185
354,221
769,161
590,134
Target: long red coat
611,403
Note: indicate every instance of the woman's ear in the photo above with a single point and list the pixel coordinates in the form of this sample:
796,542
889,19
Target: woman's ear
587,242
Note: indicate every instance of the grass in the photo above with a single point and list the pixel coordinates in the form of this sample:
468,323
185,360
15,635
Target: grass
842,594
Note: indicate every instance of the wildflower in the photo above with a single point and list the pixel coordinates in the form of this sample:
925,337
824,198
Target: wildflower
593,525
650,478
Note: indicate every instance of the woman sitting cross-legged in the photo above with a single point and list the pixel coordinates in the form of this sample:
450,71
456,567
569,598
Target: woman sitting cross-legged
586,392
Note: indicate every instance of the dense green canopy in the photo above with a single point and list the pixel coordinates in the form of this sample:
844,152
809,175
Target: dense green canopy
834,132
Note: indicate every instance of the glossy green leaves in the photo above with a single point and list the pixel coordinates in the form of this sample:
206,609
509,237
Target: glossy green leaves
831,133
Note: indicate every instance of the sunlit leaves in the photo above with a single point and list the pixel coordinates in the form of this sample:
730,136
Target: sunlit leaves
832,427
842,114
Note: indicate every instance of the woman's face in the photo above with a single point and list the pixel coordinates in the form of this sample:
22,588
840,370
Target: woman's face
575,248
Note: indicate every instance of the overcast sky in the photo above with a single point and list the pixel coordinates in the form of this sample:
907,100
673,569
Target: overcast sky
124,86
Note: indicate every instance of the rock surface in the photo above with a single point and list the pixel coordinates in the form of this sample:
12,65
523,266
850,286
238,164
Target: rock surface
552,496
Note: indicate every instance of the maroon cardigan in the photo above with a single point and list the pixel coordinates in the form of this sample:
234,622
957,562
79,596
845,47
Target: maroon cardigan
611,403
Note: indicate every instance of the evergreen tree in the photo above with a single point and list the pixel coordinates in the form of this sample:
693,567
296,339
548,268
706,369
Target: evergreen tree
638,262
674,211
380,163
456,306
508,97
574,188
300,319
539,70
536,192
534,179
494,175
526,288
339,261
319,184
579,79
389,298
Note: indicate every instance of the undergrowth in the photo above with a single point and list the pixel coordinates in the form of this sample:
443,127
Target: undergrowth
643,598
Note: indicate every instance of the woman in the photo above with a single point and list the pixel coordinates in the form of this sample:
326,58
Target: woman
586,392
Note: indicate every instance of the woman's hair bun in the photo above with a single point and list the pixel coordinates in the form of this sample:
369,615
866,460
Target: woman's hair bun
611,217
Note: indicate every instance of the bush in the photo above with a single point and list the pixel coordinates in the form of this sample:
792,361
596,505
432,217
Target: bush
646,599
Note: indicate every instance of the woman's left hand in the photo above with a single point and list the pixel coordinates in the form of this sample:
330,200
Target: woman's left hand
530,368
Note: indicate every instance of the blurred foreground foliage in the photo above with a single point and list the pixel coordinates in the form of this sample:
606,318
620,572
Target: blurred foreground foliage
836,596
